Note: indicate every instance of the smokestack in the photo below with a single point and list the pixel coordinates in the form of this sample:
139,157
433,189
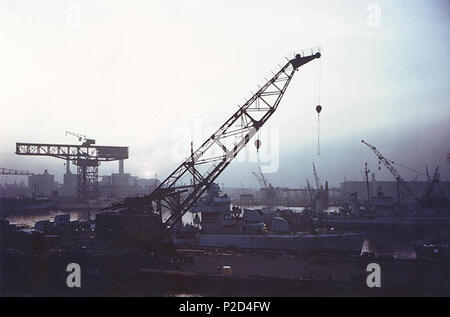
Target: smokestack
120,166
68,167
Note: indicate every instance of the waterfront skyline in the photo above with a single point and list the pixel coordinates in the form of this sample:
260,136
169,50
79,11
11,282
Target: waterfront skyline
119,73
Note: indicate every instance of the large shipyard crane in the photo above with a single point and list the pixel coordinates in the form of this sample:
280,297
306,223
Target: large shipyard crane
207,162
87,157
388,164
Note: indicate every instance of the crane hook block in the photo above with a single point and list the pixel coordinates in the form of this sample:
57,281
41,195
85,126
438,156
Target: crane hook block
257,144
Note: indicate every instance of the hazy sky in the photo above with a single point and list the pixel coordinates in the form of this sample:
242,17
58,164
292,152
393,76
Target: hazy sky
136,73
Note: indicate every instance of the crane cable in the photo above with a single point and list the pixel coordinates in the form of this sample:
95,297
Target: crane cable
408,168
318,91
318,134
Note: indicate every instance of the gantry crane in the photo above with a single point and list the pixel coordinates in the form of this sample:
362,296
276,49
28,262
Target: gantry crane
216,153
433,182
388,164
87,157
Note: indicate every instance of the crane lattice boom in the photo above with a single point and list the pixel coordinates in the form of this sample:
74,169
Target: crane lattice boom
394,172
316,178
261,178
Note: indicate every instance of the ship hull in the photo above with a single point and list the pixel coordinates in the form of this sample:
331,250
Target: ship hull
390,223
312,243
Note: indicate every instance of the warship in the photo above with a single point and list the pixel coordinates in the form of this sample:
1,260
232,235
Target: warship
223,226
140,246
382,213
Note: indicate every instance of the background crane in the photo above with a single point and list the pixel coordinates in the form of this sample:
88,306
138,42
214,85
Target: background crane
86,157
81,137
434,182
8,171
261,178
216,153
316,178
388,164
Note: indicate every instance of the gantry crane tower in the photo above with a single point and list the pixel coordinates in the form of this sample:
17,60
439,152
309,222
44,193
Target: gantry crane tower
388,164
87,157
207,162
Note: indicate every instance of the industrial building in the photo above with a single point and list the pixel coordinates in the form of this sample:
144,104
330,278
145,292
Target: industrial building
14,189
41,185
117,185
124,185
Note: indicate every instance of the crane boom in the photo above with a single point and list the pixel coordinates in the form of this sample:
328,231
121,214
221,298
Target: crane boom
318,185
206,163
311,198
8,171
394,172
263,178
81,137
259,179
